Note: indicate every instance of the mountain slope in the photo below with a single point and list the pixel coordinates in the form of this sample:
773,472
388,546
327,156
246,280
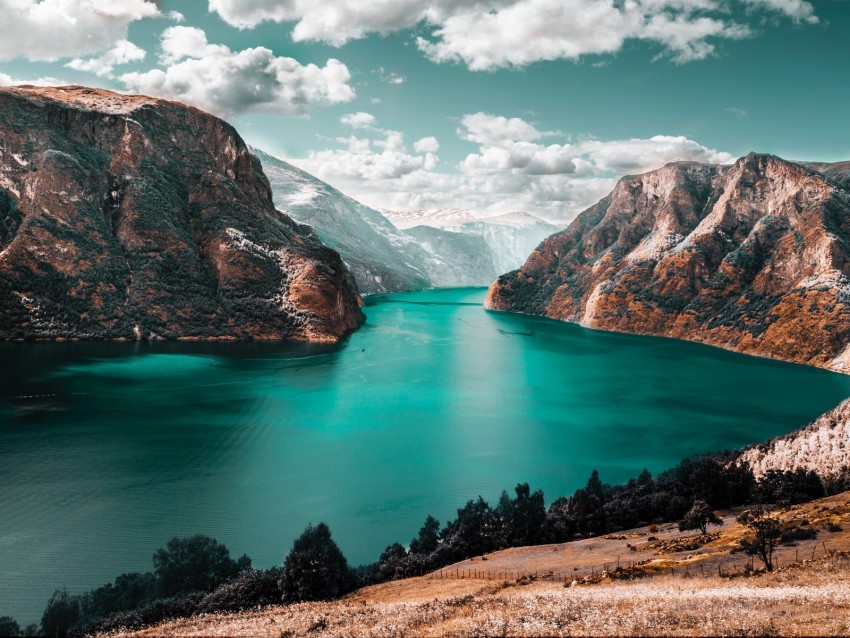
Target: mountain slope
509,237
380,256
132,217
752,257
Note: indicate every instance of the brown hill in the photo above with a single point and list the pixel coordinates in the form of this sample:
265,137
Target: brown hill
751,257
132,217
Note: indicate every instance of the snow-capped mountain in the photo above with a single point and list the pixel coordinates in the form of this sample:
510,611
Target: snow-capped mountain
511,237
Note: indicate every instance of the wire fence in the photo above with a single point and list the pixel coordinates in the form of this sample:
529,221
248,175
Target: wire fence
727,566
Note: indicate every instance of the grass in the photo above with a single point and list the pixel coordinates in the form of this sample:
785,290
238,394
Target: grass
808,597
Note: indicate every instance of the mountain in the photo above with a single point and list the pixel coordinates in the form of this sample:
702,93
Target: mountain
510,237
127,217
381,257
751,257
820,447
454,259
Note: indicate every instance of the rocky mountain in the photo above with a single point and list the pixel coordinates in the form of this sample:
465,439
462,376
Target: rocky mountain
752,257
381,257
823,447
454,259
131,217
509,237
467,251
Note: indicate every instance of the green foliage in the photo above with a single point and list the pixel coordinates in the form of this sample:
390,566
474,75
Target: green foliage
429,537
700,516
765,532
9,626
315,568
196,563
62,613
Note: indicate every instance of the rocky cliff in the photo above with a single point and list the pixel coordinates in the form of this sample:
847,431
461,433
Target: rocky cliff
131,217
752,257
381,257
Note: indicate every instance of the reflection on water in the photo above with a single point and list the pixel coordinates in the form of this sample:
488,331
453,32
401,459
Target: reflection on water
108,450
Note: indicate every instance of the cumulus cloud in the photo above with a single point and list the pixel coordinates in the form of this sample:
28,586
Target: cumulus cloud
358,120
426,145
103,65
48,30
513,167
490,34
229,83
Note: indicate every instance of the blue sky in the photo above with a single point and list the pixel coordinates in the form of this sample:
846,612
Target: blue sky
497,105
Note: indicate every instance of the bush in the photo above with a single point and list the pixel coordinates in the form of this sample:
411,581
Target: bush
195,563
793,534
61,613
252,588
700,516
8,625
315,568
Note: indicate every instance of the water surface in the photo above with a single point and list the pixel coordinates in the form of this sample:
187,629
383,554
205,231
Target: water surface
108,450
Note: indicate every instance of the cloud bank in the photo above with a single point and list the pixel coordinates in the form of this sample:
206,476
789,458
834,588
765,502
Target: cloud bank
491,34
515,167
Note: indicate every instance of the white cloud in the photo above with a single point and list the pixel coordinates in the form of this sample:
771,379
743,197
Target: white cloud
176,16
102,65
49,30
512,168
358,120
489,34
8,80
228,83
390,77
426,145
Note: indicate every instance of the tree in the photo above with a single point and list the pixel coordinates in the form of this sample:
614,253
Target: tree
429,537
61,613
195,563
766,532
521,520
9,626
700,516
315,568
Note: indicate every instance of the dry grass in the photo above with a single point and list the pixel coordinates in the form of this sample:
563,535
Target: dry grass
810,598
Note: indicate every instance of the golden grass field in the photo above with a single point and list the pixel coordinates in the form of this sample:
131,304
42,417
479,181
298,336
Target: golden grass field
673,590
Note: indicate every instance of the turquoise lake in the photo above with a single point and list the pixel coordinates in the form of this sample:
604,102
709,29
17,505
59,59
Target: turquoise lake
107,450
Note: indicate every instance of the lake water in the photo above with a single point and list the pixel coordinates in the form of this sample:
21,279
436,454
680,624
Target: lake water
108,450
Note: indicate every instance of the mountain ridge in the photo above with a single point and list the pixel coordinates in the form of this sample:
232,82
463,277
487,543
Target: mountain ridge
130,217
751,256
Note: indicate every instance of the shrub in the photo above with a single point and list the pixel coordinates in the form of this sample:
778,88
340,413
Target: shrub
8,625
61,613
315,568
195,563
251,588
700,516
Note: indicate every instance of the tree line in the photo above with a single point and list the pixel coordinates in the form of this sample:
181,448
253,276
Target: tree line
197,574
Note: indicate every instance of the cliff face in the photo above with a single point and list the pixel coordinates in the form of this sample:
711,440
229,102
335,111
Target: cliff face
752,257
381,257
131,217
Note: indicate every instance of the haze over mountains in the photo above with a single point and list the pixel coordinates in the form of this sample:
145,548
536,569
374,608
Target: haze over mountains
754,257
389,251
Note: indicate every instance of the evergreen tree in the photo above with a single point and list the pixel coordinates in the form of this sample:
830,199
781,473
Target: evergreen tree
315,569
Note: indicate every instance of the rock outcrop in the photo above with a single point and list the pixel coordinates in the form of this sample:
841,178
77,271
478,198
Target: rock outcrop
753,257
132,217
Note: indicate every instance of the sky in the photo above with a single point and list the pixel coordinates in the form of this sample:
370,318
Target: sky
493,105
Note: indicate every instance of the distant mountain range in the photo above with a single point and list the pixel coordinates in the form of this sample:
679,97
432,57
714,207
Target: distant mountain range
753,257
391,251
